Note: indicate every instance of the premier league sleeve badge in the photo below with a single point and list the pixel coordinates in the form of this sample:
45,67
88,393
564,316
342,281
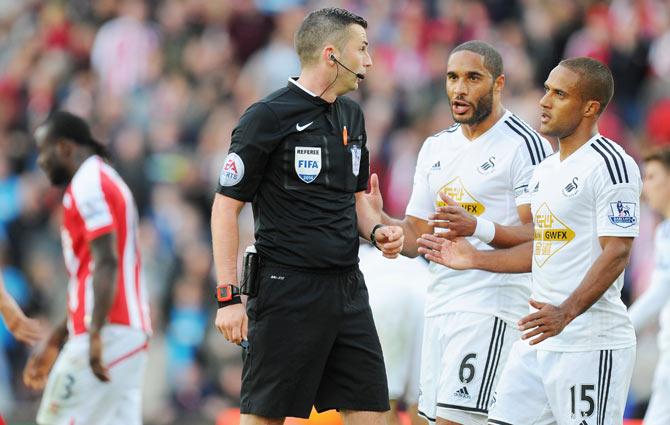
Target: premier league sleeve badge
623,214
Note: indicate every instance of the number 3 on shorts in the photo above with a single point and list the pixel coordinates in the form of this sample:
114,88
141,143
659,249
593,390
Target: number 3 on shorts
69,383
466,372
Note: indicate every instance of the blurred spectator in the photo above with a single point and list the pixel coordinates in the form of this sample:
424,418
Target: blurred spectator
123,48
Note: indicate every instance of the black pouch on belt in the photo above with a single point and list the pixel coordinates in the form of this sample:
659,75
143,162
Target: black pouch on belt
249,285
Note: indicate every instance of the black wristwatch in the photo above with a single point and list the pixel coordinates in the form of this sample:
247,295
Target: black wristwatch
373,240
228,294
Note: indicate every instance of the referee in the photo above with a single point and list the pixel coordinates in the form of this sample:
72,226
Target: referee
300,157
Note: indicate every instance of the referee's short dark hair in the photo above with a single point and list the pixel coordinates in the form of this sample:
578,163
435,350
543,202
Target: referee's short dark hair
660,155
328,25
492,59
595,82
65,125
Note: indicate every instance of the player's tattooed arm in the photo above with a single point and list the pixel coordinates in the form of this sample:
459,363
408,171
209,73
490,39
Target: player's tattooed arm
104,278
104,286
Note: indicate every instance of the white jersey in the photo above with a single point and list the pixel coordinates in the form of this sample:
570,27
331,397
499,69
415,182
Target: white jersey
488,177
594,192
662,273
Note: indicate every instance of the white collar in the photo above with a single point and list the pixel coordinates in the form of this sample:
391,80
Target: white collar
294,80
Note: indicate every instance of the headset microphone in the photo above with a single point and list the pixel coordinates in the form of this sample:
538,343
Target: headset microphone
357,74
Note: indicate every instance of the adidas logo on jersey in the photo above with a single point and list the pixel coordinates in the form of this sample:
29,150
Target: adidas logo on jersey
488,166
436,167
462,393
584,422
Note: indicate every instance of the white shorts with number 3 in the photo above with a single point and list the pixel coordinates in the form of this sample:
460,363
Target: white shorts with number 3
74,396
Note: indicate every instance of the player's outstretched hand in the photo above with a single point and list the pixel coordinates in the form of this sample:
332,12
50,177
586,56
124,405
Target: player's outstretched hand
548,321
95,357
390,240
454,218
23,328
232,322
39,364
458,254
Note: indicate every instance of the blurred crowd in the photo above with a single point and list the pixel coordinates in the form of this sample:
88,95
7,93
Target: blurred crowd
163,84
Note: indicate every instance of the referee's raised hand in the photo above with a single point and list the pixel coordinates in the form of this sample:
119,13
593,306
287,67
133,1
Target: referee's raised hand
390,240
232,322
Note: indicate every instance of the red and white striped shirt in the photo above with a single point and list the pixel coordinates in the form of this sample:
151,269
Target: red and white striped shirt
97,201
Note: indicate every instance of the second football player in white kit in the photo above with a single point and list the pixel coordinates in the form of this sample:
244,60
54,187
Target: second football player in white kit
575,360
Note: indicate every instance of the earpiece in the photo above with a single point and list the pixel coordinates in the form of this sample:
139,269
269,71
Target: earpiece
357,74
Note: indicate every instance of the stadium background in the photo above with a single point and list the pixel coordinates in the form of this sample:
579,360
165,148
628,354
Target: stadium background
164,82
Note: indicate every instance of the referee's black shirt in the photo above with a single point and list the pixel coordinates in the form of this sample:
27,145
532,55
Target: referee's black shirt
288,157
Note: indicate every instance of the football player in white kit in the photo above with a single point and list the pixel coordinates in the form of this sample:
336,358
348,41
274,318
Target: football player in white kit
476,172
397,290
575,360
656,190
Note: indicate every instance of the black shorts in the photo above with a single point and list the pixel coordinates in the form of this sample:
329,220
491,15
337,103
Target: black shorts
312,341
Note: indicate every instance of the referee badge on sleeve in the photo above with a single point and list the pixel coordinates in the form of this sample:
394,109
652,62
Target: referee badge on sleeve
232,171
355,159
307,163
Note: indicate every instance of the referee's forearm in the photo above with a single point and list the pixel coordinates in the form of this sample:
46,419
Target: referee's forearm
225,238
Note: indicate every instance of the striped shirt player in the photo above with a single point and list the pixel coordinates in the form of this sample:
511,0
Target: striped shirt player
581,375
470,314
98,202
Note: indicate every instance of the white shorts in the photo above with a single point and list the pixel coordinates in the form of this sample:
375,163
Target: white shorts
398,316
462,357
397,290
565,388
74,396
658,412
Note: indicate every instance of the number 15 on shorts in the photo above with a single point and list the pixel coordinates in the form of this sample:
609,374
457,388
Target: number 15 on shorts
581,396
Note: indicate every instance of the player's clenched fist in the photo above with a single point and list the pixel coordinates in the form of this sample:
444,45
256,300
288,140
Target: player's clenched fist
232,322
390,240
